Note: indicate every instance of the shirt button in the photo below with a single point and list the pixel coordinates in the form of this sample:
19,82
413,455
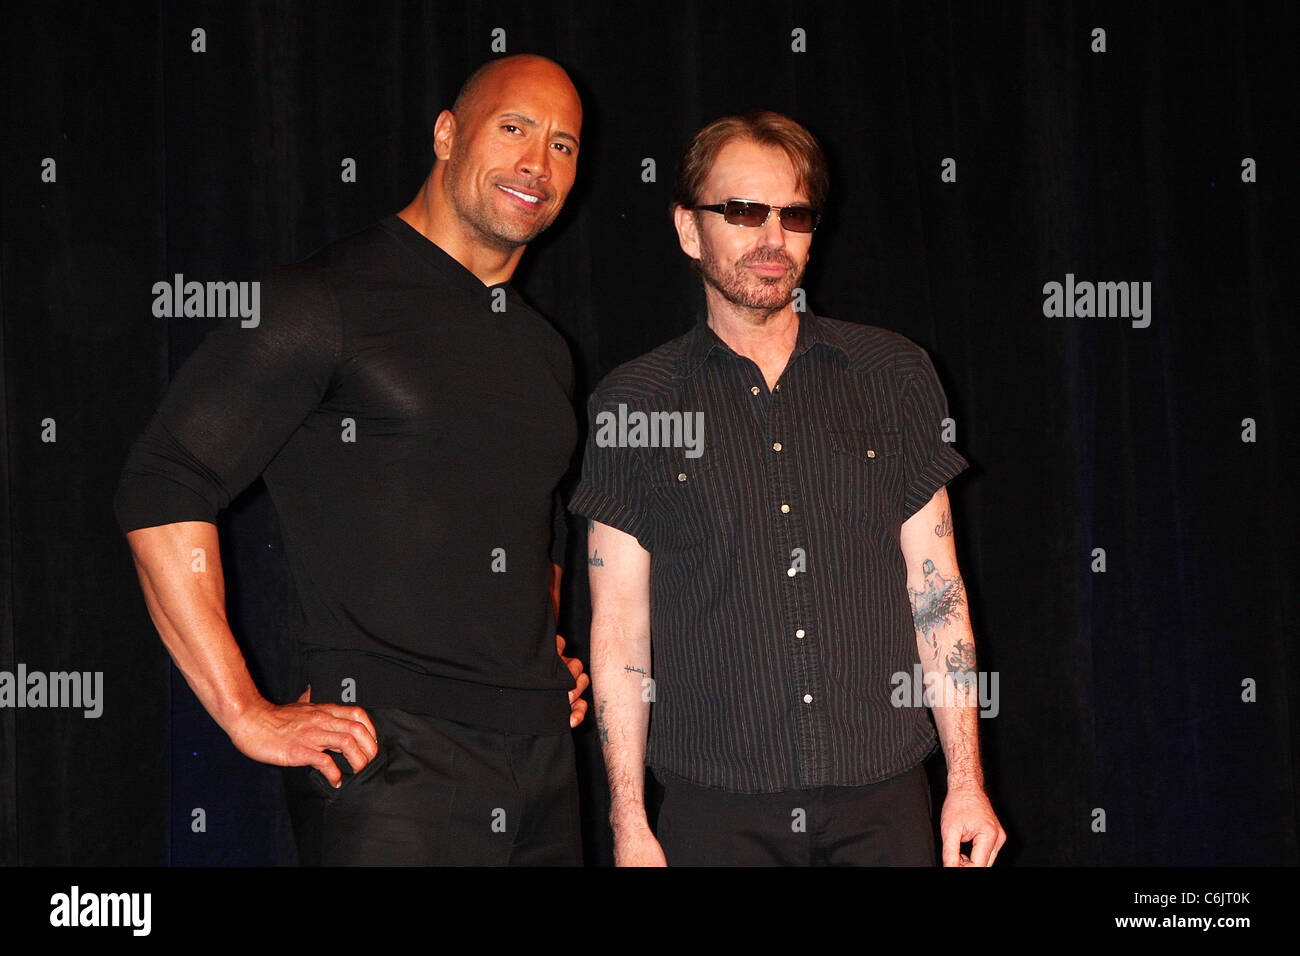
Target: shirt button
776,446
785,509
754,390
799,633
807,698
790,572
681,476
871,453
776,387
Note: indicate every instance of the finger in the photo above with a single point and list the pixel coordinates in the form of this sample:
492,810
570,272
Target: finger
576,713
583,682
306,696
322,762
1002,839
347,745
952,845
559,645
354,720
981,847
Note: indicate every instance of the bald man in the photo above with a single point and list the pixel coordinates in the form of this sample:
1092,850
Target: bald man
411,416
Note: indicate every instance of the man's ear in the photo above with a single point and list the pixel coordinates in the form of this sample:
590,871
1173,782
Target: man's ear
688,231
444,134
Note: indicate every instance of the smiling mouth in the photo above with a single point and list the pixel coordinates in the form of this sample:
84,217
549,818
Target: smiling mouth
531,200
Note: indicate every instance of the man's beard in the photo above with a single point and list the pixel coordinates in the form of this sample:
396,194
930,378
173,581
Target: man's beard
747,289
480,215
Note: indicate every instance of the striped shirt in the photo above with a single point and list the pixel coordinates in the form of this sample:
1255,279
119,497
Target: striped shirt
779,610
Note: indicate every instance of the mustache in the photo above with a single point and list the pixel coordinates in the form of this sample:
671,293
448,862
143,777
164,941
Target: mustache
761,256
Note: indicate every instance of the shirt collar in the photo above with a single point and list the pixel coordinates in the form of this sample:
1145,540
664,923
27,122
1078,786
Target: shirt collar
813,331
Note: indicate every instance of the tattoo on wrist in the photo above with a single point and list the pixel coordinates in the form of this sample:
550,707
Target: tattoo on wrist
635,670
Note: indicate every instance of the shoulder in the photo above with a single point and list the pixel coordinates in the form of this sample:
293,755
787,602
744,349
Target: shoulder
871,347
652,374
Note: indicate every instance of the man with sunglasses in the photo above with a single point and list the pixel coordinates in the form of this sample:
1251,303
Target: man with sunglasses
772,566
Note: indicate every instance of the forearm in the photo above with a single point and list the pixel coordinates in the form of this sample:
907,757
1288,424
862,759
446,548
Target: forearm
179,566
947,656
620,673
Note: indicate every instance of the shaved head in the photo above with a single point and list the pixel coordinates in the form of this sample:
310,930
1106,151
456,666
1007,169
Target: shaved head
471,92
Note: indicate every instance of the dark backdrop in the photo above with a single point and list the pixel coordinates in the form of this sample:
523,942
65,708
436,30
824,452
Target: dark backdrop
1120,691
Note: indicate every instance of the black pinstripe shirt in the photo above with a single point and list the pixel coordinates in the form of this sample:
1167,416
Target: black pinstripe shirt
778,599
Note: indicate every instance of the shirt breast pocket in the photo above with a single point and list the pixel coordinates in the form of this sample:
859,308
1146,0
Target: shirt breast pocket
867,474
691,510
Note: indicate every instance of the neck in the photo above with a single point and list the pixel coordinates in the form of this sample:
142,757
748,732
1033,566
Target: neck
430,214
766,337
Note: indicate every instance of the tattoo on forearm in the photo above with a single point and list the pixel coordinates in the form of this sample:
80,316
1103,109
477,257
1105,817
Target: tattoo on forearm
635,670
961,664
600,723
944,527
591,525
937,606
596,561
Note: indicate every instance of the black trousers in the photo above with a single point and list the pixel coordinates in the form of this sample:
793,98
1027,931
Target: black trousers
880,824
440,793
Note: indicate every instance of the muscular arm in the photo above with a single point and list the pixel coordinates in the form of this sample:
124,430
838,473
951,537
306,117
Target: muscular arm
946,646
619,571
180,572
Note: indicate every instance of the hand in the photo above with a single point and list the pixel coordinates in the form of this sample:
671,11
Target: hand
577,706
637,846
968,815
298,734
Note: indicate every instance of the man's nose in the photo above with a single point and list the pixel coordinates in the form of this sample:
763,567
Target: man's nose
773,231
535,162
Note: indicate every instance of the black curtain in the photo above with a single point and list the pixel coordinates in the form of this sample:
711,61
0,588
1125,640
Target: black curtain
1146,143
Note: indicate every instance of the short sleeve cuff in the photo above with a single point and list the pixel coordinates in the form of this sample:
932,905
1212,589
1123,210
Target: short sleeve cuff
145,501
591,503
946,465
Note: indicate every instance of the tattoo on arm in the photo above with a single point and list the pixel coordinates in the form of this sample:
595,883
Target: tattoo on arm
596,561
961,664
600,722
938,605
591,525
944,528
636,670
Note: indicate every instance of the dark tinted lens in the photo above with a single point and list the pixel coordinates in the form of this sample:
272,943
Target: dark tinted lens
741,213
798,218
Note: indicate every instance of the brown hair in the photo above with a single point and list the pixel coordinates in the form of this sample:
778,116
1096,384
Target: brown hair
764,128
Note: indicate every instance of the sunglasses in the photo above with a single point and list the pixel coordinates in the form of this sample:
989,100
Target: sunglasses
742,212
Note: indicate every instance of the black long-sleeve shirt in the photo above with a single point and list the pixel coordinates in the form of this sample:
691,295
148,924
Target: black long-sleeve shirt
411,437
779,613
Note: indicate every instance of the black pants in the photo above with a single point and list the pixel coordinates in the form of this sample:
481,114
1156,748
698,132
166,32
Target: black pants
880,824
440,793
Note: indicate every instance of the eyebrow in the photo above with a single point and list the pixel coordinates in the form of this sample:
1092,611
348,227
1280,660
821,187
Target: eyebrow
529,121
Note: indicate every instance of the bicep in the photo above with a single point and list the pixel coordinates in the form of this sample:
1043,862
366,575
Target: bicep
927,543
619,571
